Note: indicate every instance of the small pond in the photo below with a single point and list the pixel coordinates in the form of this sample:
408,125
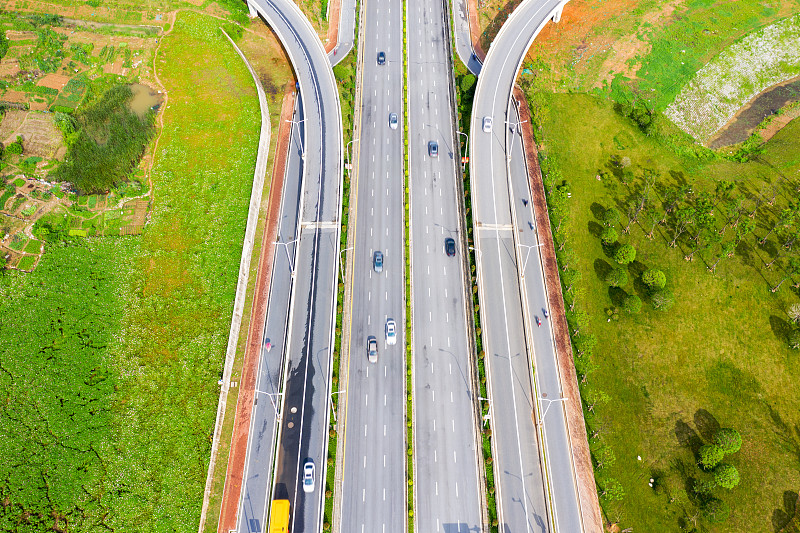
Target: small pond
144,99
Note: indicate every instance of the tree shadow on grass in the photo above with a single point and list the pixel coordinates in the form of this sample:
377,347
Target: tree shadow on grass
617,295
687,436
597,210
602,269
706,424
780,328
595,229
786,520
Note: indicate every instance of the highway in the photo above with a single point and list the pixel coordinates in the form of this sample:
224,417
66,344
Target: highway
257,483
531,498
302,432
447,473
374,467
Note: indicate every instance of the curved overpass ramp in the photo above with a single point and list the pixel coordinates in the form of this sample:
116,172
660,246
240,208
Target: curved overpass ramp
527,443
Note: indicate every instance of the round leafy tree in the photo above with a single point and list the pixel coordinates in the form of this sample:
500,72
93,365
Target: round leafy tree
710,456
625,254
632,304
726,476
655,279
609,236
610,217
617,277
728,440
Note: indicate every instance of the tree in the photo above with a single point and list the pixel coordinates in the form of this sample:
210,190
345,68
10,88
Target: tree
625,254
618,277
652,219
609,236
662,299
709,456
632,304
610,217
683,217
726,476
729,440
654,279
715,510
794,339
792,268
784,220
704,486
726,250
611,490
585,344
570,277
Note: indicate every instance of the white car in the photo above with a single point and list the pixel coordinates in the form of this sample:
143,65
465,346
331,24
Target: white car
393,120
391,332
487,124
308,476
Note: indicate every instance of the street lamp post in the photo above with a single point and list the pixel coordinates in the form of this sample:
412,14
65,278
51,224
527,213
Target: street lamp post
341,269
332,409
286,248
527,255
466,147
270,395
549,403
514,128
297,123
347,151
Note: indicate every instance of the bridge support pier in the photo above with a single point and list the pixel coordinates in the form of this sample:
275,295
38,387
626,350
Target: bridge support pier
253,11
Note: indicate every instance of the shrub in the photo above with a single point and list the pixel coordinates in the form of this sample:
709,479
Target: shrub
710,456
662,300
610,217
726,476
704,486
794,339
625,254
715,510
609,236
632,304
728,440
655,279
618,277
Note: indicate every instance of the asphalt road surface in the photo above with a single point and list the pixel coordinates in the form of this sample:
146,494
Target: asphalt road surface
303,431
257,485
374,469
507,243
447,482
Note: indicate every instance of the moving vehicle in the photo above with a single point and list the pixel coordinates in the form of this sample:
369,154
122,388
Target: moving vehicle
372,349
433,149
393,120
450,247
381,58
538,321
279,517
308,476
377,261
487,124
391,332
546,314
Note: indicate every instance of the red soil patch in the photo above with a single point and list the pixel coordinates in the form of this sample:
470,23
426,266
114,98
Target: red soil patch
53,81
244,404
333,28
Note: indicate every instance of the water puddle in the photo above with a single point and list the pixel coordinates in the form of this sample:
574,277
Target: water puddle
748,118
144,99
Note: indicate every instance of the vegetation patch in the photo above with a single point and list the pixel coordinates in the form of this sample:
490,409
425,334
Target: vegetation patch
110,142
740,72
680,272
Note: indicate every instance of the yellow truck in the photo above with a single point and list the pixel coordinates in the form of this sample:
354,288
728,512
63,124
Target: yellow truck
279,517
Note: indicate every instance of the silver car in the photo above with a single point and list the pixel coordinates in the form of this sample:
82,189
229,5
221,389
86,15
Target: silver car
391,332
487,124
372,349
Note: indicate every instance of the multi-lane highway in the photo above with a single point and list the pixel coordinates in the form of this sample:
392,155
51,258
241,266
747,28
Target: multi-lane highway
531,496
374,468
302,432
448,480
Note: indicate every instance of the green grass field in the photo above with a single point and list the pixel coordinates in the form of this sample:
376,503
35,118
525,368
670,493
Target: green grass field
719,356
135,336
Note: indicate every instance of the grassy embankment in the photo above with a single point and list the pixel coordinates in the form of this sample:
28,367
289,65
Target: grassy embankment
144,406
659,382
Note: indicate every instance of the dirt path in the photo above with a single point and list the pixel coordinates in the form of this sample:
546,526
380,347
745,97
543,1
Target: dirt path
475,30
333,25
584,472
244,403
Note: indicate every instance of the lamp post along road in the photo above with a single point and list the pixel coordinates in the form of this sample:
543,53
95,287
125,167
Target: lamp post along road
296,124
